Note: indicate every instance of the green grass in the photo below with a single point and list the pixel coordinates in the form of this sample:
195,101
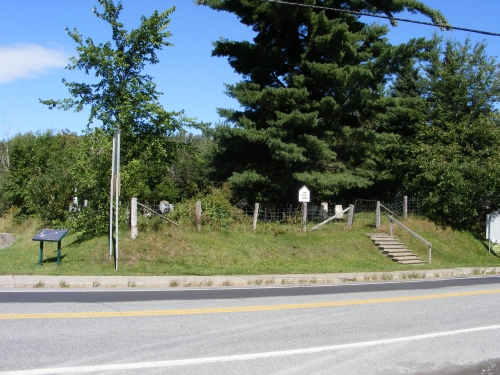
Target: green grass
272,249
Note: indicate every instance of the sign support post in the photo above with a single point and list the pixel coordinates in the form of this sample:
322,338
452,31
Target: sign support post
115,190
304,197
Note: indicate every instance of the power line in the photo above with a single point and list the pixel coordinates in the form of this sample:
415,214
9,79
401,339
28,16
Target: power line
448,27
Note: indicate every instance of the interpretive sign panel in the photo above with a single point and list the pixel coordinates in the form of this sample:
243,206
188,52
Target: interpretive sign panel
50,235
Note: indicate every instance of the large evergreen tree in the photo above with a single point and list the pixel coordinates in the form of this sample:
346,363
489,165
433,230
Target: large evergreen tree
312,97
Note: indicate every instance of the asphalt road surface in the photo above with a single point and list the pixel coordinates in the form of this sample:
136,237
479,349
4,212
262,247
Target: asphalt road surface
418,327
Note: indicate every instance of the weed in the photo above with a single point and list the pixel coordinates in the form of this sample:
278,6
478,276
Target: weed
258,282
208,283
278,230
131,284
63,284
476,271
423,275
302,281
346,279
404,276
366,278
313,280
374,277
174,283
413,275
39,284
227,283
436,275
96,284
286,281
387,276
270,281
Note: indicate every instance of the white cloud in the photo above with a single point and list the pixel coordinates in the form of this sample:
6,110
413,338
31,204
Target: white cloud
28,61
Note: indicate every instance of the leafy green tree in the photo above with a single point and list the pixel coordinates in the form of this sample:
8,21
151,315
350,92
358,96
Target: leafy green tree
124,97
312,97
39,179
452,155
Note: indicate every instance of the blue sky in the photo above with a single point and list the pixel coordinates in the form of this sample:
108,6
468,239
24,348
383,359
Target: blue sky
34,49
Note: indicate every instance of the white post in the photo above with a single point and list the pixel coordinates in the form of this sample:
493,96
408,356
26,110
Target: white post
350,216
198,215
377,215
111,200
405,207
304,217
133,218
255,216
117,194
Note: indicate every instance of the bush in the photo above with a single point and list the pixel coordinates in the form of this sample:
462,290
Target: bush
495,249
216,207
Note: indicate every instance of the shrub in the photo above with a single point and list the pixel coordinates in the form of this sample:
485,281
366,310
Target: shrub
217,209
495,249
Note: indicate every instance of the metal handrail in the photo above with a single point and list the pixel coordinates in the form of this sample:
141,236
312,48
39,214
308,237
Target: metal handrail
429,245
330,219
381,205
156,213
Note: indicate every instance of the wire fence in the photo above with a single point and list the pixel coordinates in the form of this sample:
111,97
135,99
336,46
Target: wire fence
367,208
292,215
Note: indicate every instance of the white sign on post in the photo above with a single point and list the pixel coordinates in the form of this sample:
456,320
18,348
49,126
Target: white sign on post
304,194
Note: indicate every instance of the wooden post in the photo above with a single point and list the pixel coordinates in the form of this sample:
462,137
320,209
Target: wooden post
133,218
304,217
405,207
255,216
377,215
198,215
350,216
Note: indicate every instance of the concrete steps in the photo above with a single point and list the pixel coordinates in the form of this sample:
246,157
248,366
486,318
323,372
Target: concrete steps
394,249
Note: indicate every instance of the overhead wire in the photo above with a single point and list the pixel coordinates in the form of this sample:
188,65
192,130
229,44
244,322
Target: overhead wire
448,27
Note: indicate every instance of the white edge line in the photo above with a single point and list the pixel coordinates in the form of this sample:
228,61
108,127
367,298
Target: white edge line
240,357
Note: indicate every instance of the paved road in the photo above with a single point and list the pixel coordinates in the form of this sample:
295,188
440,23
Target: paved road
424,327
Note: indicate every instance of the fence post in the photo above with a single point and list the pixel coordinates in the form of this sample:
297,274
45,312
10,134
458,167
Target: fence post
133,218
304,217
350,216
377,215
405,207
198,215
255,216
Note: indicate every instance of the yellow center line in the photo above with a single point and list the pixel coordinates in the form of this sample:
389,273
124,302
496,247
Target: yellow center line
239,309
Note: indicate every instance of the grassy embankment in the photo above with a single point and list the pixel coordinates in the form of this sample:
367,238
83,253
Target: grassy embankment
273,249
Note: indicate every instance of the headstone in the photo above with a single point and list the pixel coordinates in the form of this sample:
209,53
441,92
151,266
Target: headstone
338,211
323,213
166,207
